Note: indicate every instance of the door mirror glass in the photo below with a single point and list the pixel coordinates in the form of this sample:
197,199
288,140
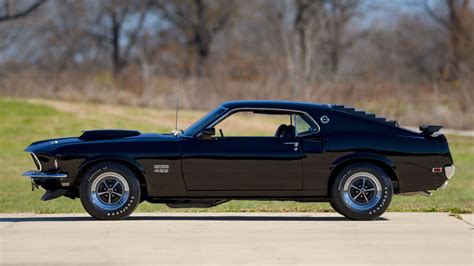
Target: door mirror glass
207,133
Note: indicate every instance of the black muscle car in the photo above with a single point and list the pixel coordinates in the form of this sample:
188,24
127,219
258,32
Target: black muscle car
315,152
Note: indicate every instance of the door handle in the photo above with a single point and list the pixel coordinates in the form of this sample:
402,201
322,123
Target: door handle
295,145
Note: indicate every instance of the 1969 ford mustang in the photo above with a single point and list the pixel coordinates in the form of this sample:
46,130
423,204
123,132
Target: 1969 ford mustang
277,150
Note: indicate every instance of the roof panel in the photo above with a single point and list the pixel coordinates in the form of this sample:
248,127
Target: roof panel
272,104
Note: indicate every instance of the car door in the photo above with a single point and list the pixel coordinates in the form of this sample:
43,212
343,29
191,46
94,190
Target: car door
242,164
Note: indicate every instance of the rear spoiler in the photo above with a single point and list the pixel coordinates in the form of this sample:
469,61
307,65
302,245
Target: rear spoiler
428,130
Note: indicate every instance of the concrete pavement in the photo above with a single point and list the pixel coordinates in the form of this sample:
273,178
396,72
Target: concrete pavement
237,238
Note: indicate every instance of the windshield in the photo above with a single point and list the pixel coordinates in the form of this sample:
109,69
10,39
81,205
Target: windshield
204,121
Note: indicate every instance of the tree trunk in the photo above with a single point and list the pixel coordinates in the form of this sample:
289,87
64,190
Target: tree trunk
336,49
201,38
116,60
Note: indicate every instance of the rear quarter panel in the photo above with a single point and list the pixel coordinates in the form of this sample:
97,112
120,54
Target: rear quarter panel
413,157
410,155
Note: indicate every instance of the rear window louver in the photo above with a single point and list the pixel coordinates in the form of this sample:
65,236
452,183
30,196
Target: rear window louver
363,114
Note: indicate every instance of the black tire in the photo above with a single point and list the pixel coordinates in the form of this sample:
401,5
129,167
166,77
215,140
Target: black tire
109,191
361,191
335,207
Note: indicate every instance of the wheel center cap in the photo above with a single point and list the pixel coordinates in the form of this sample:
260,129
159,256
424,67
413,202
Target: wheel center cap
110,190
362,190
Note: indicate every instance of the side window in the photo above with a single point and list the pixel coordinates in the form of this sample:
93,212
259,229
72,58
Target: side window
252,124
304,125
265,123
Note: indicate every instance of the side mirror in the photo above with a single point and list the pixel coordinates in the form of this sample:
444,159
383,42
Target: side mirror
207,133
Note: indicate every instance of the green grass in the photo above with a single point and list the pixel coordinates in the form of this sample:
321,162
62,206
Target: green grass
25,121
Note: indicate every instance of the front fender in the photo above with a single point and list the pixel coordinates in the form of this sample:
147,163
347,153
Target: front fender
109,157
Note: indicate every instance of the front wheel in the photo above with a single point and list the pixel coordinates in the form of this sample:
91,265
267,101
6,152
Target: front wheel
361,191
109,191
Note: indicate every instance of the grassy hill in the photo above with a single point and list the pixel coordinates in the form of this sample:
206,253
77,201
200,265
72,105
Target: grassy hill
25,121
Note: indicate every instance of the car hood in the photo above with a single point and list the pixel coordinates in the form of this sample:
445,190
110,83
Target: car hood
96,136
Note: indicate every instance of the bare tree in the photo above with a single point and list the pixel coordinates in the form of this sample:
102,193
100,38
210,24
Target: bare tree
340,13
113,17
8,11
198,21
302,17
321,27
455,22
307,24
53,38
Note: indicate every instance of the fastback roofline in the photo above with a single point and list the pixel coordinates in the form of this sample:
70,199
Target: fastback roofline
364,114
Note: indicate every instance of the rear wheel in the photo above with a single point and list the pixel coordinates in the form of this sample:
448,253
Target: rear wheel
361,192
109,191
335,207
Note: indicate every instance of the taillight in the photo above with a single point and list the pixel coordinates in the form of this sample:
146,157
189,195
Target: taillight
449,171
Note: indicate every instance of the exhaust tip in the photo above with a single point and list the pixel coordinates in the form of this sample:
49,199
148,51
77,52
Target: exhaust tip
425,193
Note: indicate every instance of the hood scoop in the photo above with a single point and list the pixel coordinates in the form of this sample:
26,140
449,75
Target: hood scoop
107,134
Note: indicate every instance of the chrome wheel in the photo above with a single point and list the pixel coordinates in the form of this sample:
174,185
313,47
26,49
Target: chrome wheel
109,191
362,191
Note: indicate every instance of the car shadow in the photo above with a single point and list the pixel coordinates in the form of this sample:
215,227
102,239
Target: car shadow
185,218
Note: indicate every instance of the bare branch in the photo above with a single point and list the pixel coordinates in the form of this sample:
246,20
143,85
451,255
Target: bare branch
136,31
23,13
356,37
435,16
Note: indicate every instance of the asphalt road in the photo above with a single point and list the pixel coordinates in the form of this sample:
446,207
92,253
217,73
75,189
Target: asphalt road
237,238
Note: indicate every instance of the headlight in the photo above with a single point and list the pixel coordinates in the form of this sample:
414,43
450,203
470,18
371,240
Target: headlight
37,162
45,162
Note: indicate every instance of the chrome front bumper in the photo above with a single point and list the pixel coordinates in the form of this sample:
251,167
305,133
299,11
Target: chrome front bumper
43,175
